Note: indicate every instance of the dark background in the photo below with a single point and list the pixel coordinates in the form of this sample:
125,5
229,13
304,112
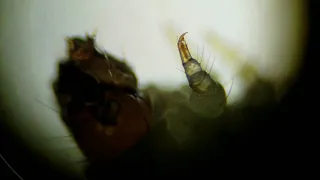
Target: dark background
276,139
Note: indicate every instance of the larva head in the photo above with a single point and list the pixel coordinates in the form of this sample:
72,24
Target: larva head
102,66
80,49
105,120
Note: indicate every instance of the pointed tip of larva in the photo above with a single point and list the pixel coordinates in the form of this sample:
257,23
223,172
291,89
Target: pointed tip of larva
181,38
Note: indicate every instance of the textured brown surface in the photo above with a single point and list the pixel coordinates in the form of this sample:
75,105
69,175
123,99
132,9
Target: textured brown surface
97,141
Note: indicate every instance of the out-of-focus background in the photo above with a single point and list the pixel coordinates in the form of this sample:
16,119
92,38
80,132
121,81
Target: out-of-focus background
245,39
